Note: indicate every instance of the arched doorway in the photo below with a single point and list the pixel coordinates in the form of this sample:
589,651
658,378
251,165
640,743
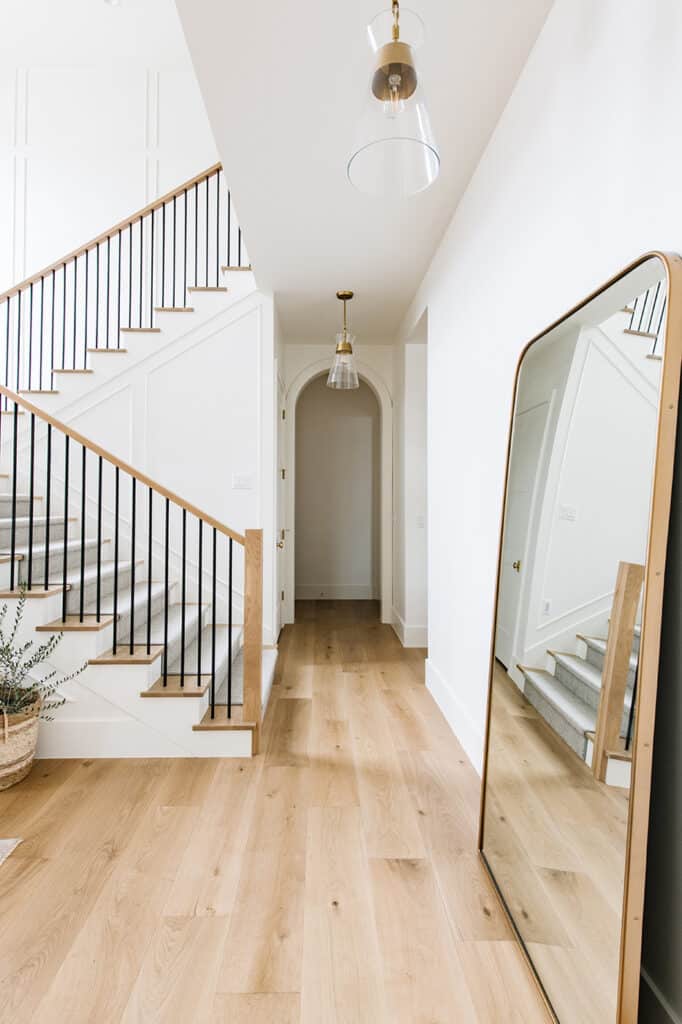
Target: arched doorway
337,493
383,477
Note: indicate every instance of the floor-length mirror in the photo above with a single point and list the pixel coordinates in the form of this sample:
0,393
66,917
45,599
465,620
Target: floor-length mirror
565,677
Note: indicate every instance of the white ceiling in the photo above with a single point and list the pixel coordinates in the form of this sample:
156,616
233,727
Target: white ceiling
284,84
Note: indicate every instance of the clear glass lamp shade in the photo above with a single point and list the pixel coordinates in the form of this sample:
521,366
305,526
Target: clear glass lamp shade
395,153
343,375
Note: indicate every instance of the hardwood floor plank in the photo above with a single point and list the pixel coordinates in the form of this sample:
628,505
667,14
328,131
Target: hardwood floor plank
341,964
288,746
280,1008
177,979
424,979
389,815
265,937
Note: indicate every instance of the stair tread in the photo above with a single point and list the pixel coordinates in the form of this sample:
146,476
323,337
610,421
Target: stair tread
587,673
598,643
58,545
124,602
22,521
570,707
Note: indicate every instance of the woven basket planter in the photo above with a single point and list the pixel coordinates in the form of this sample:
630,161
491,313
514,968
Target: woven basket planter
18,739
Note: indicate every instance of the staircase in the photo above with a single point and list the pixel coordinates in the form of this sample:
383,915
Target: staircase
157,597
568,696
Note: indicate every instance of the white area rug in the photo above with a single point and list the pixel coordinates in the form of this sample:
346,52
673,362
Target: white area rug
6,847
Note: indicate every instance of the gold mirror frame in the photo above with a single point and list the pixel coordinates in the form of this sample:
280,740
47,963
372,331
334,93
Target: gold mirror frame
638,817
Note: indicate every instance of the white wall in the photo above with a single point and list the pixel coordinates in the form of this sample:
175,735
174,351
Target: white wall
409,490
99,114
337,493
571,187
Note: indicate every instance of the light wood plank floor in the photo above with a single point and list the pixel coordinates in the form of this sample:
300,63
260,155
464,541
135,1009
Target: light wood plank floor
331,880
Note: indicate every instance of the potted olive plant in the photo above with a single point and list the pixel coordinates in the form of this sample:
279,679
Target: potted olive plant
24,699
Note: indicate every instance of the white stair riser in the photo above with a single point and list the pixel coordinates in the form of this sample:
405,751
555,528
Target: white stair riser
574,737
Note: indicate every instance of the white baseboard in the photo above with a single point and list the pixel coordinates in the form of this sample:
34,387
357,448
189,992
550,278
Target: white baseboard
334,592
459,720
409,636
666,1010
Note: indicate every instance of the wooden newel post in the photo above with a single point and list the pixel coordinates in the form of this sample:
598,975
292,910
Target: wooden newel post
253,630
616,665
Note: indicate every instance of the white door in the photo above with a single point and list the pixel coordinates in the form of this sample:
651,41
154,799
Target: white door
529,432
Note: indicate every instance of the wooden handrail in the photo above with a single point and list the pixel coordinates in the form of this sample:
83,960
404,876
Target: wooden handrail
109,457
616,664
121,226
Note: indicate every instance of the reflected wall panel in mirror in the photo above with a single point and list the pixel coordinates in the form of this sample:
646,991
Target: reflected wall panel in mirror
576,638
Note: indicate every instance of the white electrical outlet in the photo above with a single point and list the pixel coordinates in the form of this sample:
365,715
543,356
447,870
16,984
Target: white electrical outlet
568,512
546,607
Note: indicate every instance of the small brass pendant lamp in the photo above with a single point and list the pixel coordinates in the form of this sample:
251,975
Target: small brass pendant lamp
343,375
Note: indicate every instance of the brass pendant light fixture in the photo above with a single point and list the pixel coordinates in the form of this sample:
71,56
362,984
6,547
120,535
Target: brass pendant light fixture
395,153
343,375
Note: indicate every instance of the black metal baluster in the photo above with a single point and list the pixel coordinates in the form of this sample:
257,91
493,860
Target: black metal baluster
152,224
97,298
660,325
99,541
13,538
116,499
75,307
85,309
108,283
64,316
653,307
66,524
196,233
31,494
149,572
141,266
207,233
165,598
184,594
52,319
199,589
239,247
118,286
132,567
30,333
42,318
130,275
217,229
163,255
184,256
229,631
48,484
229,227
82,579
213,623
7,345
18,340
175,251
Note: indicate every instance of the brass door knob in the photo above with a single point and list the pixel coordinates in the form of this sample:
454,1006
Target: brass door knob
280,543
517,565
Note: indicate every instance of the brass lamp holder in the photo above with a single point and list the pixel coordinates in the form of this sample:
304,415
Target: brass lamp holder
395,77
344,346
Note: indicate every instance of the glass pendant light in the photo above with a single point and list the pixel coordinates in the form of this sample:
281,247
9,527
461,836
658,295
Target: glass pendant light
395,153
343,376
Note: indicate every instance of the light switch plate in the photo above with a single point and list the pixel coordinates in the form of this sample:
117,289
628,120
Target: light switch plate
242,481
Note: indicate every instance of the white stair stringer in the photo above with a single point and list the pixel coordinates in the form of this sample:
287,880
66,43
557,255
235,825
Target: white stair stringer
73,391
